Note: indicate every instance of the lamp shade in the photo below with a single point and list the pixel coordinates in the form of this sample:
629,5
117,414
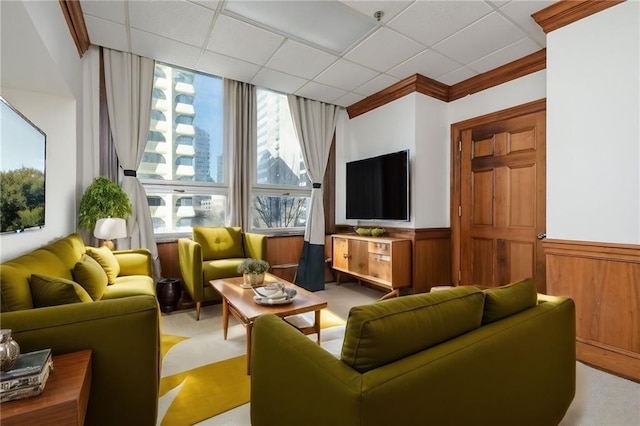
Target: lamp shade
110,228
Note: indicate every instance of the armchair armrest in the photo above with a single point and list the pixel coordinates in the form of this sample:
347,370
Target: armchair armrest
134,262
255,245
287,366
124,337
190,257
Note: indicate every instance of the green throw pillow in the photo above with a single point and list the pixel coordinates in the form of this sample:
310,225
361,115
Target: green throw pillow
501,302
52,291
107,260
90,275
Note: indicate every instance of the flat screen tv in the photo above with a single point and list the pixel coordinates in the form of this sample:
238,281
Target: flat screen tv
22,177
378,188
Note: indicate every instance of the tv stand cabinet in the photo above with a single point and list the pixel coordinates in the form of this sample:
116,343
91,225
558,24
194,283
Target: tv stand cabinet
382,261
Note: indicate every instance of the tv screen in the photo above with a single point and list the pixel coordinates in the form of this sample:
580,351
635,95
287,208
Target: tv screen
378,187
22,161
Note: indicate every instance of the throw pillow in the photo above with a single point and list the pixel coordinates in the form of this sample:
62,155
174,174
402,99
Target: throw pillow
52,291
501,302
89,274
107,260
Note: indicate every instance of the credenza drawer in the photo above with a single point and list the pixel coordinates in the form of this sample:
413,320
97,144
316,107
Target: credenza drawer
380,248
380,266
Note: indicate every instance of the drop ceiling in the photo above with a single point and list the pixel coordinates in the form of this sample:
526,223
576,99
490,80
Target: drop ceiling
332,51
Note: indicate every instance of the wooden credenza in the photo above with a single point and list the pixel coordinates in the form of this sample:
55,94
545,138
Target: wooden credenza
384,262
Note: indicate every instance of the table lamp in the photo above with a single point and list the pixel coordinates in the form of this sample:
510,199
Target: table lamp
109,229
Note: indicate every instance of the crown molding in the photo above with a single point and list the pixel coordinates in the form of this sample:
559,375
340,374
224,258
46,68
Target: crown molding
72,12
418,83
566,12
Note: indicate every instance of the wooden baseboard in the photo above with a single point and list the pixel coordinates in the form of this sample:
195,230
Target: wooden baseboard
611,361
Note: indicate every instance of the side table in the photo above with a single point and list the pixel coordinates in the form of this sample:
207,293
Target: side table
168,291
64,398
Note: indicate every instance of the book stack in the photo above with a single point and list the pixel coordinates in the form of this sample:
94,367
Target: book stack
27,377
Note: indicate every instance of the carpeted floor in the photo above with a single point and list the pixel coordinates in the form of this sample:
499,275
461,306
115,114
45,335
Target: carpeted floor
601,399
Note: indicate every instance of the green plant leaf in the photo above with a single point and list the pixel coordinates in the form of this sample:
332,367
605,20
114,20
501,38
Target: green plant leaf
102,199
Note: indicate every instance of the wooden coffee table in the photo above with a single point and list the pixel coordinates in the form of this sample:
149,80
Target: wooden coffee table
240,303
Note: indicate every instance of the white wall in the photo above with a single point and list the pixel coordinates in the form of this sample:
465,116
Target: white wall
593,134
42,77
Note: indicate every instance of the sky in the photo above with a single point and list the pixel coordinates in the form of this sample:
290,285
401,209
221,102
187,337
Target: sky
20,142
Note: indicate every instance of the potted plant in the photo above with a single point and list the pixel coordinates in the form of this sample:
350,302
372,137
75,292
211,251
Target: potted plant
102,199
253,270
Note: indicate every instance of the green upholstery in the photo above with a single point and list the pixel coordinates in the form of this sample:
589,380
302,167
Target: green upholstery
408,325
51,291
215,253
519,370
501,302
89,274
107,260
122,330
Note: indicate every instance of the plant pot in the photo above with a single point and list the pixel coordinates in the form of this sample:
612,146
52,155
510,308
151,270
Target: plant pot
253,279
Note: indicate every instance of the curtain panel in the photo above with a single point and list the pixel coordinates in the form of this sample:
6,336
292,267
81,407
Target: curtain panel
129,84
314,123
240,132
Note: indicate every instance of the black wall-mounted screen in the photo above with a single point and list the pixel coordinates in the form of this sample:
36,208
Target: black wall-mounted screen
378,187
22,177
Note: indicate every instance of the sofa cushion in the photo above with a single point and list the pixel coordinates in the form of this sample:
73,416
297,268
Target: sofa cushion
105,257
388,330
219,243
501,302
52,291
223,268
89,274
130,285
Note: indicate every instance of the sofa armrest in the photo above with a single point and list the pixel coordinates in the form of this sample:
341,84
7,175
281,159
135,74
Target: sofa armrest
297,382
124,337
190,258
135,262
255,245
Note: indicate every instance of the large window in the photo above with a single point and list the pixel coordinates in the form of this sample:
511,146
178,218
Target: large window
183,167
281,190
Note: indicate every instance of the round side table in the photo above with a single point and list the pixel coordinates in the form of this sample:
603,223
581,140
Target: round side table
168,291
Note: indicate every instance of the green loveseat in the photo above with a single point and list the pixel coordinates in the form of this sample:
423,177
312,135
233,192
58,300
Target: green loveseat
215,253
121,328
459,357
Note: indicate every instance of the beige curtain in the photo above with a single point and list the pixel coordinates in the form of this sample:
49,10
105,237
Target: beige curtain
129,84
240,116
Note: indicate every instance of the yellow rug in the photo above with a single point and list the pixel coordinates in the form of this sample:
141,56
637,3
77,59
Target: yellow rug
212,389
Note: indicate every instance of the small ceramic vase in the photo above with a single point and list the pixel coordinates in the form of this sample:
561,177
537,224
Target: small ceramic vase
253,279
9,350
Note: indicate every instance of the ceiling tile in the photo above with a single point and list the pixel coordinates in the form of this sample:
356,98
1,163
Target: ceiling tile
179,20
320,92
224,66
432,21
105,9
301,60
277,80
107,33
428,63
389,8
377,84
240,40
164,49
327,24
456,76
209,4
520,12
384,49
505,55
348,99
491,33
345,75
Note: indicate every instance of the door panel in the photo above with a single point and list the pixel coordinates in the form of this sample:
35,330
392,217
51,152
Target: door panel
502,198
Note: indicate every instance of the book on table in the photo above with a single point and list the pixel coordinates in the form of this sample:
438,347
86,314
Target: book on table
27,377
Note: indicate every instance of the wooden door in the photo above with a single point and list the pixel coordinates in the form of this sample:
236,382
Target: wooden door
359,257
502,212
341,253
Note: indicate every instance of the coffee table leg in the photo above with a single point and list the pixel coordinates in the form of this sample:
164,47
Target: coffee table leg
249,328
317,324
225,317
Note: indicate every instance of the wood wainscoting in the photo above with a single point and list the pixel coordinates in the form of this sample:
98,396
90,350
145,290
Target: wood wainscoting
604,281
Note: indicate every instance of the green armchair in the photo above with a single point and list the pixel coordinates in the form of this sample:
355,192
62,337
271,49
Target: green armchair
215,253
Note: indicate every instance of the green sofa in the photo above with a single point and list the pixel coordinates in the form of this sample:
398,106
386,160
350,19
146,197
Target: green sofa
505,356
121,327
214,253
